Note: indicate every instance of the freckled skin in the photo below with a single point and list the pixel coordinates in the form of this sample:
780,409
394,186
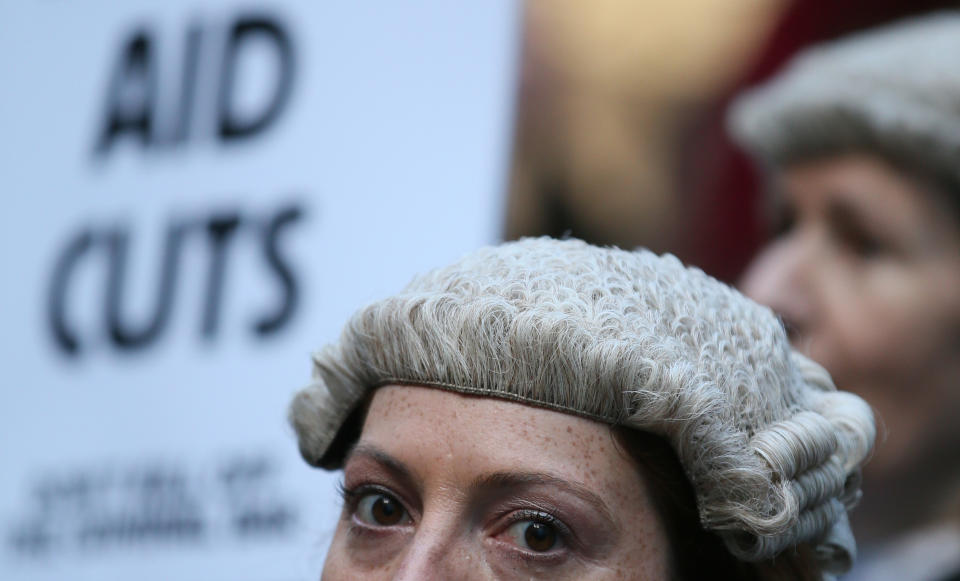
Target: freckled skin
447,441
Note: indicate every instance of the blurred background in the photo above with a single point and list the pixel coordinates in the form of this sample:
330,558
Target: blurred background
198,194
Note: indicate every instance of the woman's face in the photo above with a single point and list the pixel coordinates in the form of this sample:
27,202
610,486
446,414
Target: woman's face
445,486
866,275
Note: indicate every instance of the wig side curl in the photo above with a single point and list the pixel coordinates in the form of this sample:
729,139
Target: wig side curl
630,339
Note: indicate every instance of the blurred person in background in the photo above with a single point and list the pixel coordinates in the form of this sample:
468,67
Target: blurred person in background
620,136
860,141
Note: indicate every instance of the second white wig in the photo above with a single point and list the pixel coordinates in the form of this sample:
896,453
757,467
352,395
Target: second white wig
631,339
892,91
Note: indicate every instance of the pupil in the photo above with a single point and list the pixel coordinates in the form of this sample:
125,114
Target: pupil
540,536
386,511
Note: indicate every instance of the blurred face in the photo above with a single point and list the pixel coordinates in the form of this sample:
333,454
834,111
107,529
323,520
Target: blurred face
866,275
445,486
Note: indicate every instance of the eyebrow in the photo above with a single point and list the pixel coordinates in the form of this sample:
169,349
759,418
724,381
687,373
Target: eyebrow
396,468
513,480
494,481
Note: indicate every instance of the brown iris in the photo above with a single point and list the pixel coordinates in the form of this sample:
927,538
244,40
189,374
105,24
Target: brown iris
386,511
539,536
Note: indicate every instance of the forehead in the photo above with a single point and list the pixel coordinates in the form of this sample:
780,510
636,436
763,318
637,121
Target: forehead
860,179
463,459
872,190
441,434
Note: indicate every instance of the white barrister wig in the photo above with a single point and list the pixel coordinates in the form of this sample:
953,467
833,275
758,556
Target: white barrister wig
631,339
894,91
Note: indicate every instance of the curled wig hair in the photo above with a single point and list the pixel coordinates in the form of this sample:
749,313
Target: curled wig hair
893,91
773,451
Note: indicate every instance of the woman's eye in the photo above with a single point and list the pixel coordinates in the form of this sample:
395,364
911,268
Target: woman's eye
864,245
784,221
535,536
383,510
851,231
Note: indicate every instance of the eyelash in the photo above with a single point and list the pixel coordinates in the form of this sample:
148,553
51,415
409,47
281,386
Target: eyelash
347,495
553,557
351,498
541,517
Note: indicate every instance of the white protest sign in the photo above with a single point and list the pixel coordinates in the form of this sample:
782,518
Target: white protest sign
197,195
